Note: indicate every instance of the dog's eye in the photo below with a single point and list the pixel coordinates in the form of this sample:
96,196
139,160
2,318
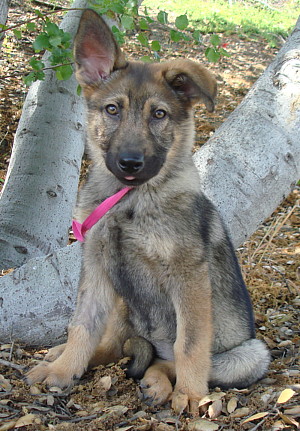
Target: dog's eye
112,110
159,114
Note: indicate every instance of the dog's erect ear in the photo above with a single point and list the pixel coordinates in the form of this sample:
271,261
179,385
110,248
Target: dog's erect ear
96,52
191,81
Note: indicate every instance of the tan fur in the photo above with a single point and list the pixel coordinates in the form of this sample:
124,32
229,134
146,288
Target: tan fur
159,272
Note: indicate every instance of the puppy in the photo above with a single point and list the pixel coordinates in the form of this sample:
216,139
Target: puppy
160,279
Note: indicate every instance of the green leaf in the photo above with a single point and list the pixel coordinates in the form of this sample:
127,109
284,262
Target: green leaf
36,64
212,55
155,45
147,59
17,33
52,29
117,8
143,24
181,22
66,38
55,41
149,20
119,36
127,22
31,26
3,27
215,40
78,90
64,72
40,75
197,36
143,39
41,42
59,56
29,79
175,36
162,17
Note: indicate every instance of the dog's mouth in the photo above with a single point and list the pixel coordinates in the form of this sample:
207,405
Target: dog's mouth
131,180
133,169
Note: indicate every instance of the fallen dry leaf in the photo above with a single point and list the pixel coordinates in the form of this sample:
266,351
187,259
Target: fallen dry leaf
5,384
7,426
289,420
106,382
28,419
232,404
202,425
240,413
215,409
214,396
255,417
285,395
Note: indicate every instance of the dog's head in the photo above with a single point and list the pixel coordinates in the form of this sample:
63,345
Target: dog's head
140,114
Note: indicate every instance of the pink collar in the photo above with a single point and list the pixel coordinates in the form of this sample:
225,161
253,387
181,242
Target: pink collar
80,230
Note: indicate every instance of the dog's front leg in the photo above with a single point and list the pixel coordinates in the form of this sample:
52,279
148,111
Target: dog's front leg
193,341
95,300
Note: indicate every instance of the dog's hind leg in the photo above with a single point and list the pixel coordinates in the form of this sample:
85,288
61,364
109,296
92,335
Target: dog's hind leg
156,384
118,330
96,300
110,348
240,366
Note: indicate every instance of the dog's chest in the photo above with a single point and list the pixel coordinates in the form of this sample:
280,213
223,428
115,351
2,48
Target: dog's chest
139,253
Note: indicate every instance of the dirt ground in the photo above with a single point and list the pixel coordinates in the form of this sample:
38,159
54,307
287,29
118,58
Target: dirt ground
104,399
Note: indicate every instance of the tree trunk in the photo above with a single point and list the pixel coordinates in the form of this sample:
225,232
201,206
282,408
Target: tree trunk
41,184
253,160
246,168
4,5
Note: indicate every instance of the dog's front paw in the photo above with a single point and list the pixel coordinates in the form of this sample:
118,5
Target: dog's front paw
156,391
55,352
51,374
183,400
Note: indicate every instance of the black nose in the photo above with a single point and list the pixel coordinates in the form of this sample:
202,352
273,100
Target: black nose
131,163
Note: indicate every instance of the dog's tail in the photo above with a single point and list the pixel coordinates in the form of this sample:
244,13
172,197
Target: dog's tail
240,366
141,353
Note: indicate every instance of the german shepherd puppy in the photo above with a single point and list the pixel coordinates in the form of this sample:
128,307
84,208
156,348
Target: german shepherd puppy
160,280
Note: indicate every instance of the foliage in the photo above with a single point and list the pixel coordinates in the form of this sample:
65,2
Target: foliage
217,50
250,17
57,43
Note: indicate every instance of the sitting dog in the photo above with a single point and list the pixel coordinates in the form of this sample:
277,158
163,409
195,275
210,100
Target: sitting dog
160,280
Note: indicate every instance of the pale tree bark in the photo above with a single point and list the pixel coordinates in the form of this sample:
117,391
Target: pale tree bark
4,5
253,161
246,168
41,184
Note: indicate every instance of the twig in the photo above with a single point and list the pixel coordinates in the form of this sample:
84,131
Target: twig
16,74
258,424
49,5
277,229
10,409
38,17
12,365
83,418
11,350
5,394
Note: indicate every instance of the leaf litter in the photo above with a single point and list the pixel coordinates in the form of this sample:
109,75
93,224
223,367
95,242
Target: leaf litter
104,399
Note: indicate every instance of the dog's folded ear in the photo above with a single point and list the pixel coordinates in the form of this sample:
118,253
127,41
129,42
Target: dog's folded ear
191,81
96,52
